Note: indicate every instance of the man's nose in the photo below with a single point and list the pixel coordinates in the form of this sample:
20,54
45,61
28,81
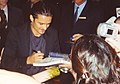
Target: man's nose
45,26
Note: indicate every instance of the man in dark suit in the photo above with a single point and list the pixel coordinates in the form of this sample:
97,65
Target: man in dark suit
30,42
13,16
88,17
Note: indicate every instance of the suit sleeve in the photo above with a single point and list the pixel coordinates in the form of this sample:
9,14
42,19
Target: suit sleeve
10,59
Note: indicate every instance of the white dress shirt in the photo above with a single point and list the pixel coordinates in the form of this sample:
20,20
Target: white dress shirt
81,7
6,12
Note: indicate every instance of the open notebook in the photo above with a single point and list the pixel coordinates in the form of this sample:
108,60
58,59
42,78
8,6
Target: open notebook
53,59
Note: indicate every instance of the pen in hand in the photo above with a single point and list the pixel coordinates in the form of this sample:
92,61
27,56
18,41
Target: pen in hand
34,57
35,51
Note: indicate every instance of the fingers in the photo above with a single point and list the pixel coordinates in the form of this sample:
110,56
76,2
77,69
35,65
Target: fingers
37,53
76,36
36,56
40,53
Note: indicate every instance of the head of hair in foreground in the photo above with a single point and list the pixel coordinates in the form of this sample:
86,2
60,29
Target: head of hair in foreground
41,8
93,61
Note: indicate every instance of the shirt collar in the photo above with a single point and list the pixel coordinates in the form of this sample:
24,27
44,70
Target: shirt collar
6,11
80,6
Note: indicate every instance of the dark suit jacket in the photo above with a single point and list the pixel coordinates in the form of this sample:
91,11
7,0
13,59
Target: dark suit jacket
91,16
15,18
18,46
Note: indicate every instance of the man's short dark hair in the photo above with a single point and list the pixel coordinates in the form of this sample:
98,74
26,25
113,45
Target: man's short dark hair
41,8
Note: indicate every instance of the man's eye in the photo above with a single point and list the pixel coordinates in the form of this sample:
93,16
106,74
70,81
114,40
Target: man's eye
41,23
48,24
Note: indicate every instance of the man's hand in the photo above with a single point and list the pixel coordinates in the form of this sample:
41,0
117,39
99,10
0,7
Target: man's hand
35,57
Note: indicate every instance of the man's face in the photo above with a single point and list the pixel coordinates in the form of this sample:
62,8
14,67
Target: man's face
3,2
40,24
79,1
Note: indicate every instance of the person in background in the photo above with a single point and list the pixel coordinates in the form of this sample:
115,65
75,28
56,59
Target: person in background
93,61
77,16
12,17
31,42
3,23
84,21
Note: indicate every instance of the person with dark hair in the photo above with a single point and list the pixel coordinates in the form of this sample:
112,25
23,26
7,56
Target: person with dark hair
93,60
31,42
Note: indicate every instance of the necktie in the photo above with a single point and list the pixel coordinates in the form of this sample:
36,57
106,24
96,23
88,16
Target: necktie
2,14
3,18
75,15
